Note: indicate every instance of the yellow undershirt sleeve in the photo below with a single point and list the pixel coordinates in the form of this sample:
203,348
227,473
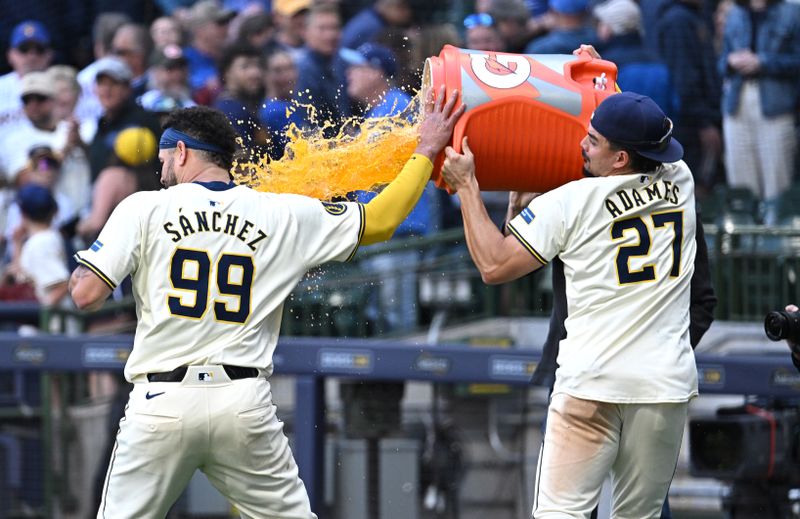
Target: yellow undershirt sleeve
384,213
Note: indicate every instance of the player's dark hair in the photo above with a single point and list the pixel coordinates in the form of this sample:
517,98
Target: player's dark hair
638,163
237,50
207,125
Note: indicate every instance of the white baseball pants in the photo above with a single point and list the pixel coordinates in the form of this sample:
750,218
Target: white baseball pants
228,429
585,439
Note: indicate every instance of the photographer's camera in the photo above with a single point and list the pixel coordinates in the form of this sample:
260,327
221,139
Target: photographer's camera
782,325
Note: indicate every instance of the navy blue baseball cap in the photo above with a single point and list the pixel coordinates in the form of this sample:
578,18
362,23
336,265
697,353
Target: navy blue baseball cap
30,30
569,6
36,202
636,121
373,55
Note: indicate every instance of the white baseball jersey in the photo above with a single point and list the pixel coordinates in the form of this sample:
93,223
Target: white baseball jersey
628,247
212,264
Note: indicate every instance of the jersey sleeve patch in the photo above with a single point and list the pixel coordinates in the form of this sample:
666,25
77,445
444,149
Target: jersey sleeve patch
527,245
97,271
335,209
361,225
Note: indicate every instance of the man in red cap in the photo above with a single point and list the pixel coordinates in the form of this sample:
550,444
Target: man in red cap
626,237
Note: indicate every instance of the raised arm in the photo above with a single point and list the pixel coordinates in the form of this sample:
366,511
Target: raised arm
385,212
498,258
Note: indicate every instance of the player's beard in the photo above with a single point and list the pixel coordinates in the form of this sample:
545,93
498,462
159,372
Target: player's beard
168,178
586,171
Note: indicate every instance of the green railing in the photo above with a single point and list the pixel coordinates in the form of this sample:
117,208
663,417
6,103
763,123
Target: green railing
754,269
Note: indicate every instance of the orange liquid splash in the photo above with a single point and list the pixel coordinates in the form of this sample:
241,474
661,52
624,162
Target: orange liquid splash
365,155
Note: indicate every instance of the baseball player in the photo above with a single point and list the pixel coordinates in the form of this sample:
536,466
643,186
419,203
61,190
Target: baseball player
626,237
212,263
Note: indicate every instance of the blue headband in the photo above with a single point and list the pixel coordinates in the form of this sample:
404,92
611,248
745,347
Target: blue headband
171,136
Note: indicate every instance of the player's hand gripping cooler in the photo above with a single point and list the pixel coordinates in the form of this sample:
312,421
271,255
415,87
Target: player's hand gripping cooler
526,113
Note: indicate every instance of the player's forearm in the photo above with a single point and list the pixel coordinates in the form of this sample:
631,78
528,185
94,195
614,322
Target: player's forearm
87,290
384,213
495,255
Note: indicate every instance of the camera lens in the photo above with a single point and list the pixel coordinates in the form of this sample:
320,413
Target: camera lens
776,325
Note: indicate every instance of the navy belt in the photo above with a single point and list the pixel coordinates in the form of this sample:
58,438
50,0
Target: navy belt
177,374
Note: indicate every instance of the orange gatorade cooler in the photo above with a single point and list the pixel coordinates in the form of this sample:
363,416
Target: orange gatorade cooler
526,113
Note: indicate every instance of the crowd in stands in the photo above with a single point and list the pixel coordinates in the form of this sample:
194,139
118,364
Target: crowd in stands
83,129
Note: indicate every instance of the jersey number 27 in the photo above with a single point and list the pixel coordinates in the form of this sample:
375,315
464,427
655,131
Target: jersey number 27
648,272
190,271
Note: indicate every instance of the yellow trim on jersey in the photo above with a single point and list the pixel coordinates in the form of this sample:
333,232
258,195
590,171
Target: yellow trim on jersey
228,279
180,296
527,245
674,238
384,213
645,255
97,271
361,226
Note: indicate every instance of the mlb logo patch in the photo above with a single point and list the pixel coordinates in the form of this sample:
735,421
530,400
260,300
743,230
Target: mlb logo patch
527,215
205,376
96,246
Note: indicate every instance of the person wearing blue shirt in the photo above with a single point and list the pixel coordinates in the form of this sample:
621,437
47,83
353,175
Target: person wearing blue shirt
242,71
321,80
370,70
368,23
570,29
208,22
279,112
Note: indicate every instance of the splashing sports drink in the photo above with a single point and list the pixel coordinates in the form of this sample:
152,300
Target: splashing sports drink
364,155
526,113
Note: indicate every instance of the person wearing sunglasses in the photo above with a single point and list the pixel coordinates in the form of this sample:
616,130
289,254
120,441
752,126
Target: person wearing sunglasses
626,235
480,33
29,50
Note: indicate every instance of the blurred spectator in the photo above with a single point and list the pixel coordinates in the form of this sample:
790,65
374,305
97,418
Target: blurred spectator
44,129
481,34
760,64
720,17
242,70
132,169
571,28
43,168
370,22
208,24
652,11
166,30
370,71
67,91
619,28
169,82
321,80
29,51
120,111
103,30
428,41
132,44
174,7
258,31
511,18
279,112
686,45
42,254
290,22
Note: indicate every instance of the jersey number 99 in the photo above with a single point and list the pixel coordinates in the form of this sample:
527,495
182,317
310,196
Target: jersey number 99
190,271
